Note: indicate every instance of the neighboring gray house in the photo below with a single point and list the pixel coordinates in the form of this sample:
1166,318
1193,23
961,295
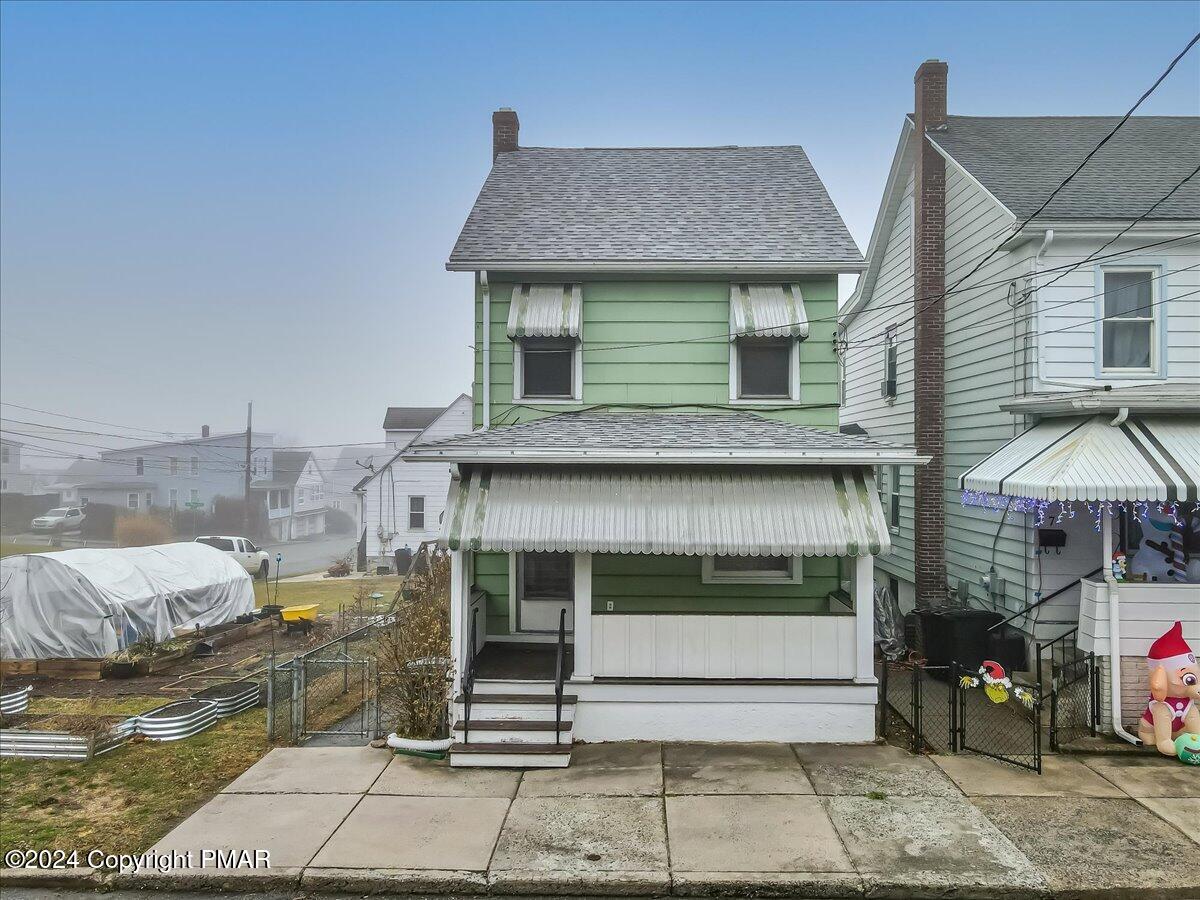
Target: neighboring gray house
1069,370
403,423
18,478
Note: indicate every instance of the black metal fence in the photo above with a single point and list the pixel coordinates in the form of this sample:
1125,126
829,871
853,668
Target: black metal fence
1074,691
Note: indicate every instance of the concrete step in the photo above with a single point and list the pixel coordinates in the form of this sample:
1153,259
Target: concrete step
509,686
493,707
511,756
512,731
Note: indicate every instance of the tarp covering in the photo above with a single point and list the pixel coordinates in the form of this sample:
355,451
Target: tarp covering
1147,458
89,603
728,511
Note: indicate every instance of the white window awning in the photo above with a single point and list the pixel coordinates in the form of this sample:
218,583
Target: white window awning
1152,459
545,310
694,511
767,310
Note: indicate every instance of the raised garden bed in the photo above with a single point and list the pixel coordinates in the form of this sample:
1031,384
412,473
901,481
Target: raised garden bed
177,720
66,736
15,701
232,697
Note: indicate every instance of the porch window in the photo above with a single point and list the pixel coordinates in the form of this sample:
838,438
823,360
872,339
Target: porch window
765,368
1128,326
547,368
751,569
546,576
416,513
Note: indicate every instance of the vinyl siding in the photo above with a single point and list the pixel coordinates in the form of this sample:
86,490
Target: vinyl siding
890,420
619,313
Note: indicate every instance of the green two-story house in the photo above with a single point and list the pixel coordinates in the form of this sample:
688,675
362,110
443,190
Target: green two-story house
657,530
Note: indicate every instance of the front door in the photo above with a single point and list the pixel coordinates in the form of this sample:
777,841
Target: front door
545,585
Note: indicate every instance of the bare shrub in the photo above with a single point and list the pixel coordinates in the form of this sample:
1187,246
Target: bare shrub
141,531
413,654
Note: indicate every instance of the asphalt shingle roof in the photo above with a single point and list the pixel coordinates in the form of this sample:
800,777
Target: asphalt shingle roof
599,430
1021,160
647,205
410,418
287,466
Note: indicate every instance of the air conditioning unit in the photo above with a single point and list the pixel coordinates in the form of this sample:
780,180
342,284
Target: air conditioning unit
887,387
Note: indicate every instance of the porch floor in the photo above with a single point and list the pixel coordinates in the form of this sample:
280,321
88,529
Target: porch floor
502,660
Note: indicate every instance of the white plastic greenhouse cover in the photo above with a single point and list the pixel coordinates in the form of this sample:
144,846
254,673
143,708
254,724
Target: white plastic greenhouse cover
91,602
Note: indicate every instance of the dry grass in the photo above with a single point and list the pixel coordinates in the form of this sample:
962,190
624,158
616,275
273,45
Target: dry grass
125,800
141,531
330,593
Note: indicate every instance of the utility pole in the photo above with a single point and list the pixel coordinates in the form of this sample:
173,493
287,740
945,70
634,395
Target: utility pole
246,498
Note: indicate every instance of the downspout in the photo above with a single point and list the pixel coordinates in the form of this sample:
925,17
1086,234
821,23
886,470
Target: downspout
1114,634
1047,240
487,349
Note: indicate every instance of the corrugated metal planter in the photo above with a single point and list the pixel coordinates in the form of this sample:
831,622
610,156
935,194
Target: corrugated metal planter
177,720
33,744
15,702
231,698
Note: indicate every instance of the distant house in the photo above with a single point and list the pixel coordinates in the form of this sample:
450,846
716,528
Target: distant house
401,502
294,495
15,476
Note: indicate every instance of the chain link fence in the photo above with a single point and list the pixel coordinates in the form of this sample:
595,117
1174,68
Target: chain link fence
1074,691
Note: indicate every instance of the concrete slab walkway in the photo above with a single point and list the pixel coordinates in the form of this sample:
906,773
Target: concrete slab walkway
646,819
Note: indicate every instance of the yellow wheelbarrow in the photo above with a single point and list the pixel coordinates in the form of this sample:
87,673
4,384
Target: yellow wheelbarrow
301,617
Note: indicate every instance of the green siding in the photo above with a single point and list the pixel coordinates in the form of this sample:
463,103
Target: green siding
491,574
617,313
645,583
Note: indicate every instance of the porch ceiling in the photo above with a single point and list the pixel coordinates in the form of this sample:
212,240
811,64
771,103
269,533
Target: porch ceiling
759,511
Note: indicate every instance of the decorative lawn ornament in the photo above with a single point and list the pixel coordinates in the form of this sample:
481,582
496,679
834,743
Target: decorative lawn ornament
1171,711
996,685
1187,748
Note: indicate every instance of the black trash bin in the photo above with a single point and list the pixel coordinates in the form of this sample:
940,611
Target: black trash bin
957,635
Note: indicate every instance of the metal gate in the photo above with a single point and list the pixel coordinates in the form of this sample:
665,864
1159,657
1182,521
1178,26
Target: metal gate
994,715
330,690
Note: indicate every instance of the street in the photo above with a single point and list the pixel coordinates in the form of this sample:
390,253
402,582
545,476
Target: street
303,557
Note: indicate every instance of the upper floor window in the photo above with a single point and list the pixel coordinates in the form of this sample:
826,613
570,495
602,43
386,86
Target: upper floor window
140,466
766,324
545,324
195,465
1128,329
887,387
4,455
416,513
893,497
174,464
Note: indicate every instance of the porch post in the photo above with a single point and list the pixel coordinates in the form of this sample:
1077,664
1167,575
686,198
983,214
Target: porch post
458,605
583,618
864,619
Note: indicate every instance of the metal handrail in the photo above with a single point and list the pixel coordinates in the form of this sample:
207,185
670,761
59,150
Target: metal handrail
1031,607
558,672
468,679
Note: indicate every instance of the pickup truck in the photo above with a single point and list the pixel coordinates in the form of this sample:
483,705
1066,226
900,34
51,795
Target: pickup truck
248,556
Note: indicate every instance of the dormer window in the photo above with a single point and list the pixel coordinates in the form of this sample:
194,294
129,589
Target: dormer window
545,326
767,322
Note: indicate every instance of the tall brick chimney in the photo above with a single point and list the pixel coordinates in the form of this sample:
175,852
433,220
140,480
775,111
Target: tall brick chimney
505,129
929,344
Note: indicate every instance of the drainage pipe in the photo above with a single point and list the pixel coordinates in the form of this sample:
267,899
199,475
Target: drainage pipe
1114,633
487,349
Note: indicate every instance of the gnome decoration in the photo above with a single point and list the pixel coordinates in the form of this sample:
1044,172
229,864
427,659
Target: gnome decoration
1174,693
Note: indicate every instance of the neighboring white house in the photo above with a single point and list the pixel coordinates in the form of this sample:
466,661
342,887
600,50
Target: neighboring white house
294,495
18,478
1071,364
402,502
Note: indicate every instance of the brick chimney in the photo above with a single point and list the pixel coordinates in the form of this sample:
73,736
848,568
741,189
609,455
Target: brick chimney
204,432
929,344
505,129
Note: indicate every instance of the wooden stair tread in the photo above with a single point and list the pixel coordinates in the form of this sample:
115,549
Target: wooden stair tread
513,725
523,749
516,698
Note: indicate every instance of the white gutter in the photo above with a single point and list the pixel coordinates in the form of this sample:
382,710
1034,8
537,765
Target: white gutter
487,349
1114,634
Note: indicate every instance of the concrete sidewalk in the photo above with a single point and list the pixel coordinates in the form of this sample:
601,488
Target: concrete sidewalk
704,820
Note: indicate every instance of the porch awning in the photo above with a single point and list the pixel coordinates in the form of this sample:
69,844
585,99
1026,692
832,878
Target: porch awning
1151,458
767,310
545,310
817,511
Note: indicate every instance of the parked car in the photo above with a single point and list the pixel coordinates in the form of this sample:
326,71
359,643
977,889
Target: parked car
253,560
59,519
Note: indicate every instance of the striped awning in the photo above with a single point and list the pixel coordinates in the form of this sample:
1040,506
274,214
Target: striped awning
545,310
743,511
767,310
1150,458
